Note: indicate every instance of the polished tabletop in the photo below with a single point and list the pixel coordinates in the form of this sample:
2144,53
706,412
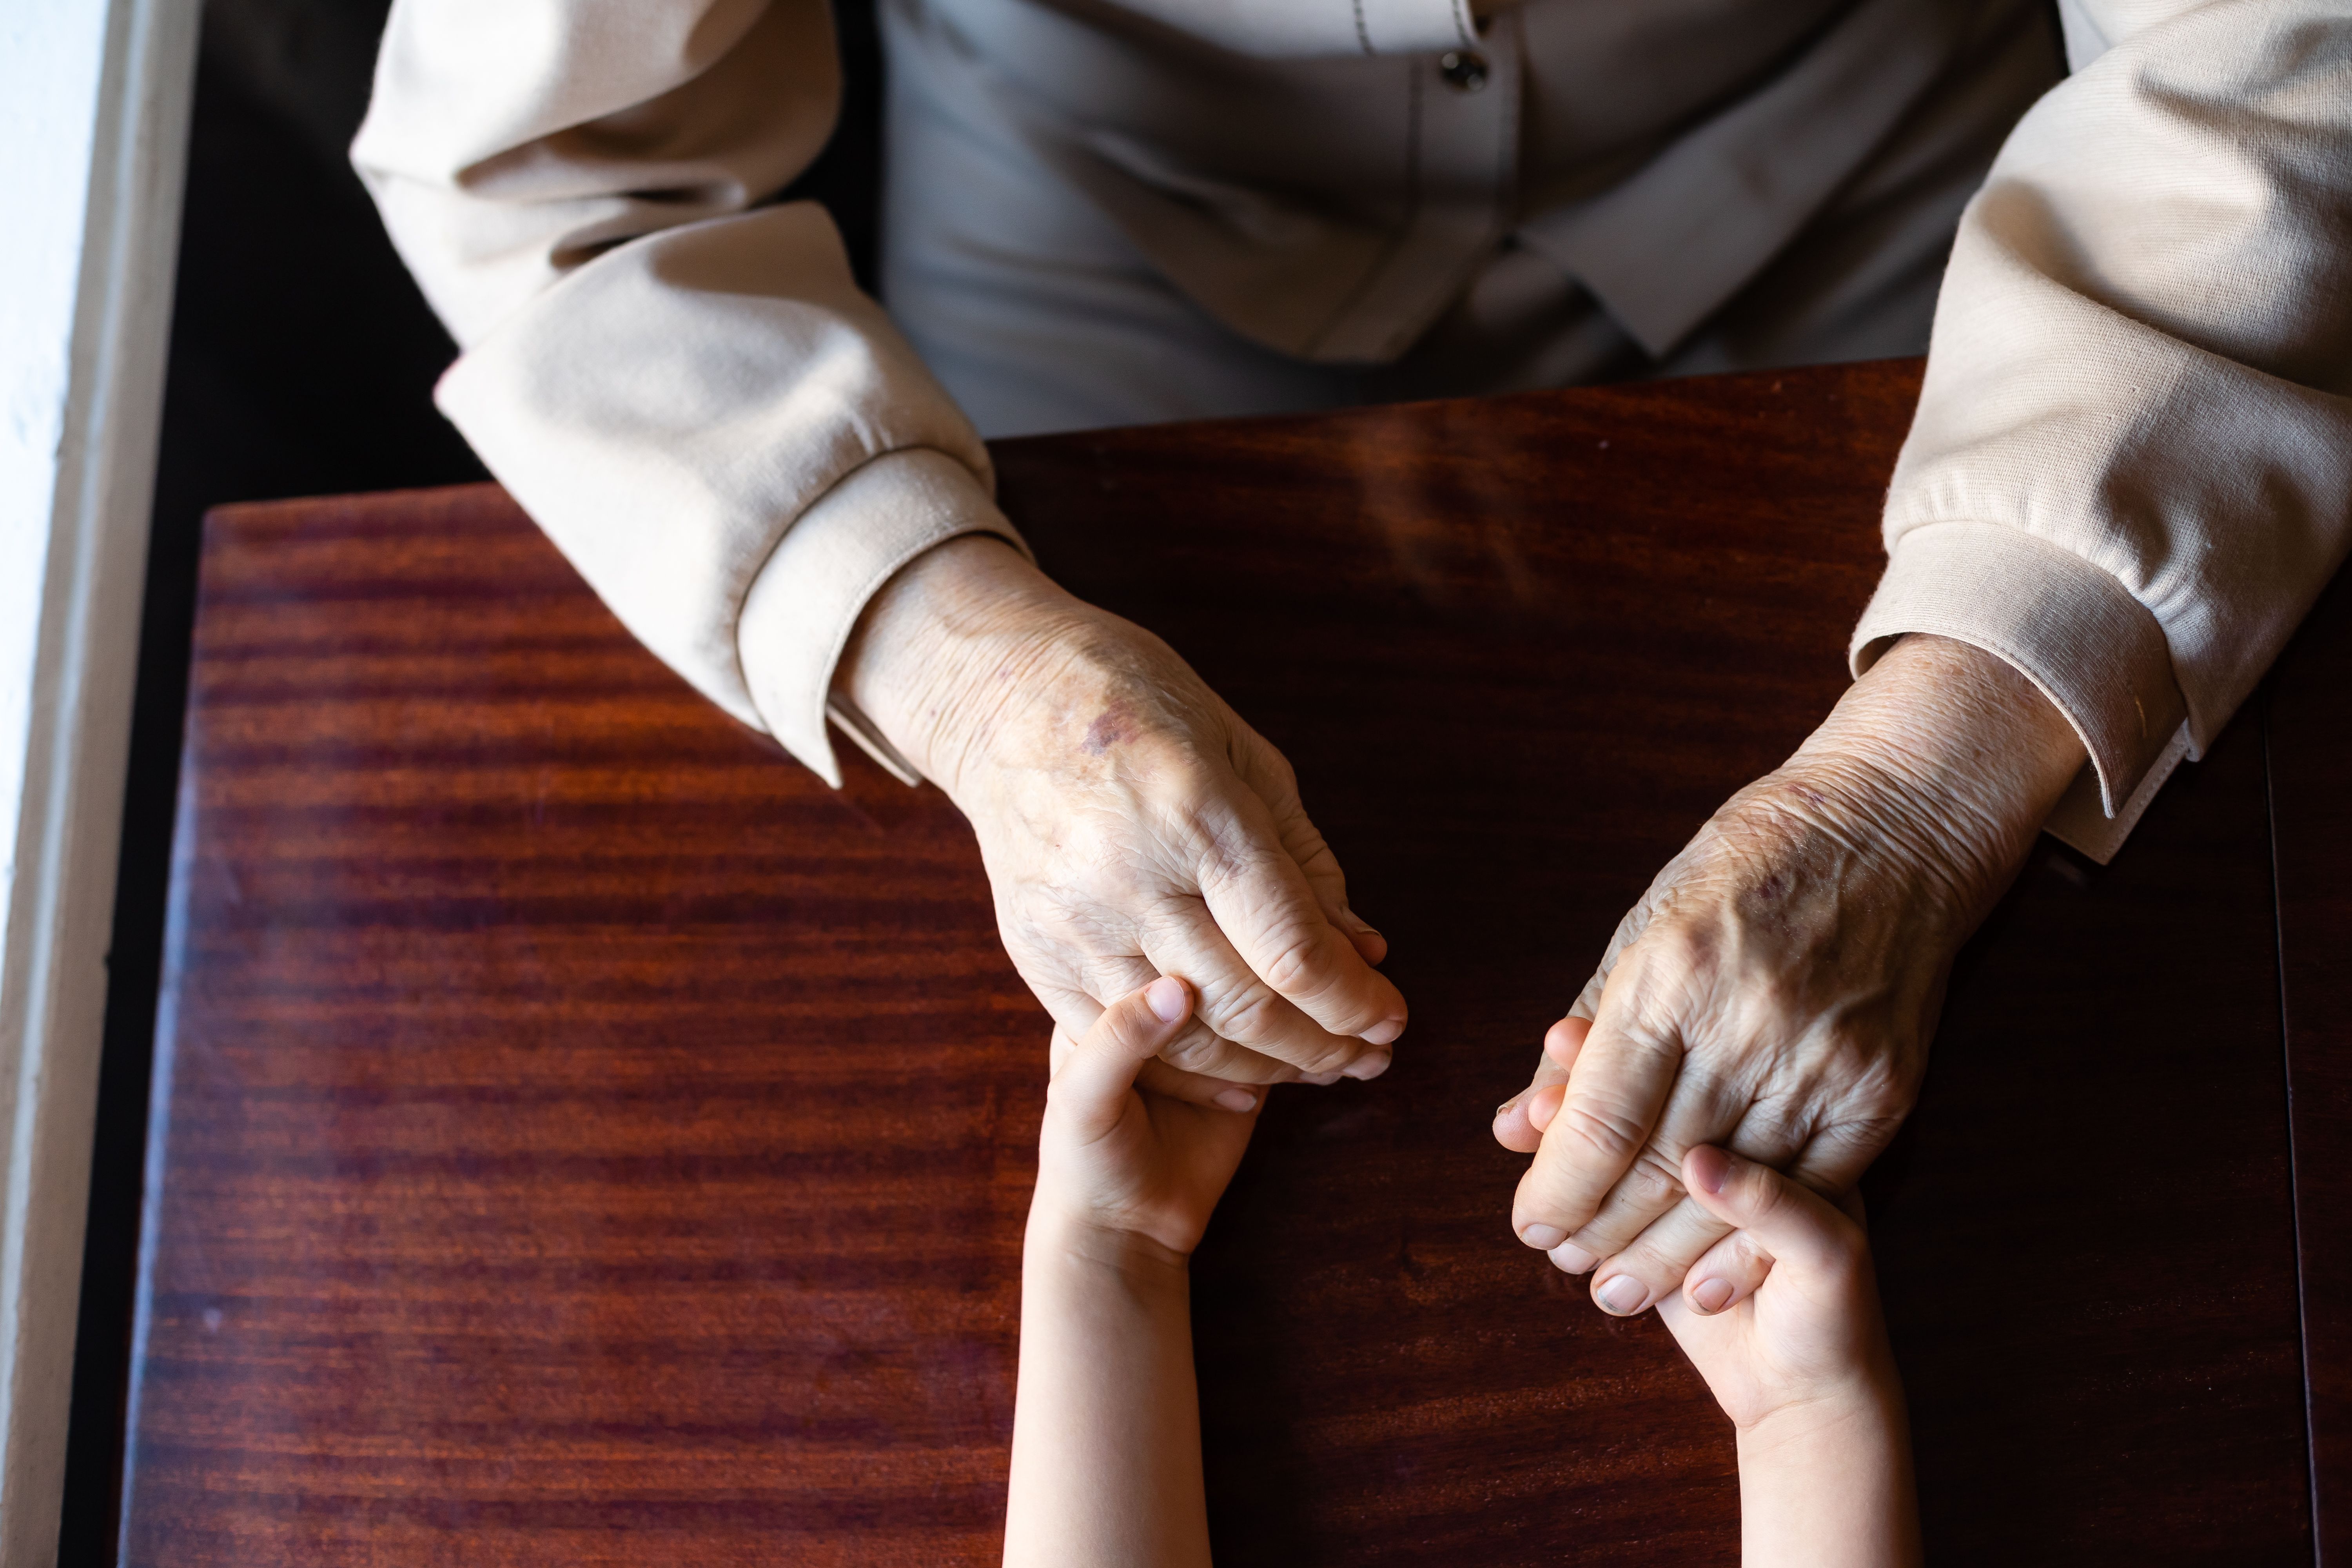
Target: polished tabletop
581,1137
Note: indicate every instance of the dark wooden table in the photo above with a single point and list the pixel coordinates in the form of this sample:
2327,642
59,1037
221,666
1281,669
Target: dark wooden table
581,1137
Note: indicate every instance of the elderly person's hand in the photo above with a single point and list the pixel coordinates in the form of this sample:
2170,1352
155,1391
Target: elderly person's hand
1131,824
1775,990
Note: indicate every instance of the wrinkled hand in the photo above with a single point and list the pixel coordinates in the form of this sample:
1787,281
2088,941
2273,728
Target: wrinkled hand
1131,824
1775,990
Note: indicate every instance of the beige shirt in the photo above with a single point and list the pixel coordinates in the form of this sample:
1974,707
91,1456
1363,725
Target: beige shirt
2130,473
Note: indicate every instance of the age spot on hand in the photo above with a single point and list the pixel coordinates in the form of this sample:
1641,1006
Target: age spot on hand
1107,731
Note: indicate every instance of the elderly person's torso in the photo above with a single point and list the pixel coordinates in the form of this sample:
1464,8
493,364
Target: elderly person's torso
1577,192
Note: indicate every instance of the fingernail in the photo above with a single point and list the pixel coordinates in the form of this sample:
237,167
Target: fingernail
1710,1167
1319,1079
1711,1296
1570,1258
1383,1033
1624,1295
1243,1099
1166,995
1370,1065
1541,1235
1504,1108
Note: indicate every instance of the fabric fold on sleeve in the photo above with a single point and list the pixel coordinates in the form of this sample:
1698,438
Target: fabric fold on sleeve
671,413
684,387
804,603
2130,473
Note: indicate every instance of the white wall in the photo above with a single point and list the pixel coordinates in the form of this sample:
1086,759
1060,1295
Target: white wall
94,98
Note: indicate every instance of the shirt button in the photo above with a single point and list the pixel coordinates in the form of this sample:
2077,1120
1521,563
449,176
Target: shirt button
1463,71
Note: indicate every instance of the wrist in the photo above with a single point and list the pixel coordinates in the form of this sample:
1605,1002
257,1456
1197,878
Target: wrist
1067,1237
1826,1483
1951,756
944,643
1856,1408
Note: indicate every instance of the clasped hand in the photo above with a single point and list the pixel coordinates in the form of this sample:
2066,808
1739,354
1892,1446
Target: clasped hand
1106,1454
1773,991
1131,824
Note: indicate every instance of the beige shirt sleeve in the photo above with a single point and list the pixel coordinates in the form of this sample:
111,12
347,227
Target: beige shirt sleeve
2130,474
686,389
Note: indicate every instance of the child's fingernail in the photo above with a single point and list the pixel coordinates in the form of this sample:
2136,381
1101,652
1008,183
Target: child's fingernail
1623,1296
1710,1167
1543,1237
1710,1296
1383,1033
1243,1099
1166,995
1370,1065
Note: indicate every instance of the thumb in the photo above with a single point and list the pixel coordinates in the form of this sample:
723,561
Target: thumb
1092,1080
1791,1222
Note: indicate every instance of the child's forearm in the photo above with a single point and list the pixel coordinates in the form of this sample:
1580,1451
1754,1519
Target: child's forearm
1107,1422
1829,1486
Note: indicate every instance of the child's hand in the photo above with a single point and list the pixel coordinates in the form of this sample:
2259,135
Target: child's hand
1803,1370
1811,1337
1117,1157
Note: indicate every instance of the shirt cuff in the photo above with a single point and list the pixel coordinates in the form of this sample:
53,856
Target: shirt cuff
2080,820
1415,26
2067,626
806,600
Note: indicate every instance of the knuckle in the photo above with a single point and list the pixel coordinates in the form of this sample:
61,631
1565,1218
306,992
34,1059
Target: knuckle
1770,1131
1299,967
1768,1195
1653,1181
1317,858
1225,850
1252,1016
1746,1258
1332,1056
1598,1134
1681,949
1198,1052
1276,770
1650,1265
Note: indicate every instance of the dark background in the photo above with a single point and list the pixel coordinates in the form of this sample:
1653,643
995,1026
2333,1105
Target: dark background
302,363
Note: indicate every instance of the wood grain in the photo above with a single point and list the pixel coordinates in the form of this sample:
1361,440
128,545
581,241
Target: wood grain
584,1139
